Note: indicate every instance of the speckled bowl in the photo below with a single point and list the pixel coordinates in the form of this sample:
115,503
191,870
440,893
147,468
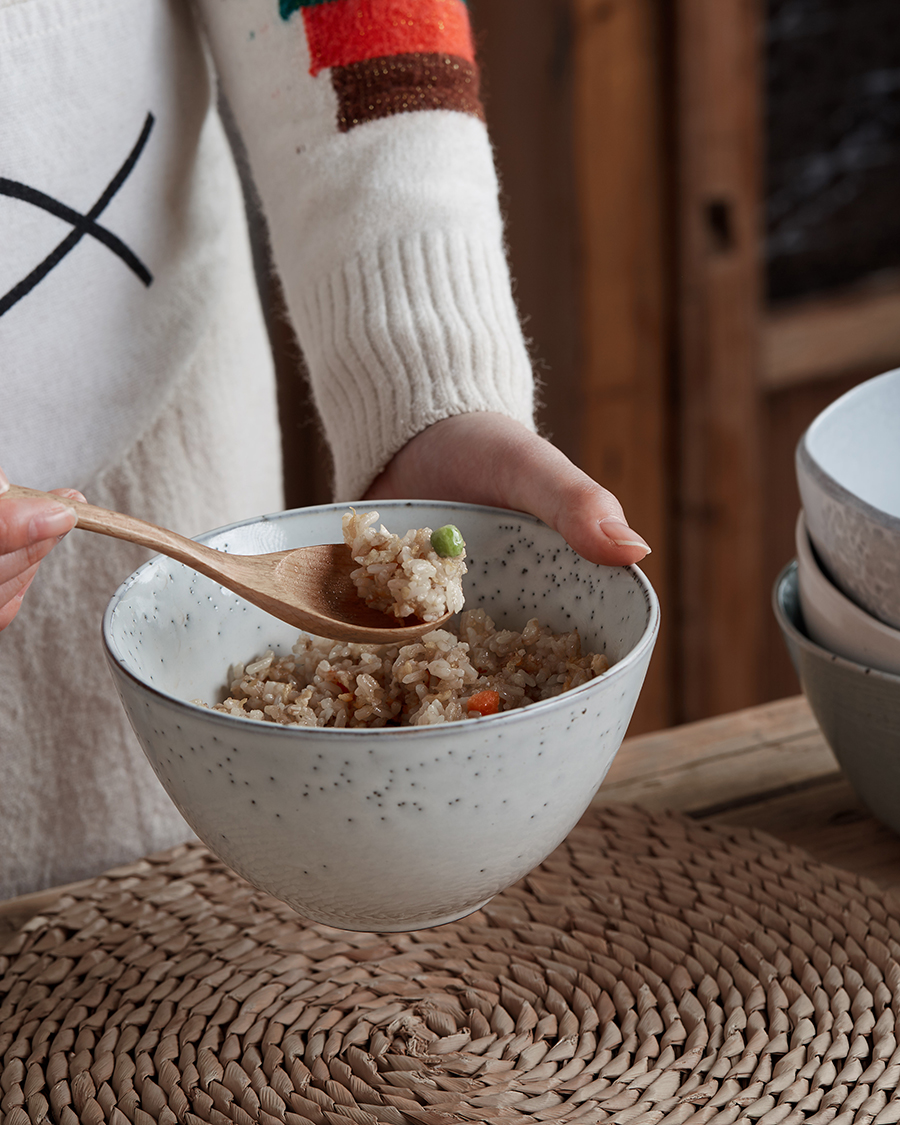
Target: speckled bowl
848,473
388,829
834,621
858,708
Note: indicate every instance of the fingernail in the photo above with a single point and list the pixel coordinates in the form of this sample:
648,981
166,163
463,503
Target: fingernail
21,593
621,534
52,522
4,483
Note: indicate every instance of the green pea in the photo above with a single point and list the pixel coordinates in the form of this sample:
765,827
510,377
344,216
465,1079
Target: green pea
448,541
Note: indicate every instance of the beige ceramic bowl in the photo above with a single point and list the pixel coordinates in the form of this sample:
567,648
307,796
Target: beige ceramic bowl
848,472
837,623
388,829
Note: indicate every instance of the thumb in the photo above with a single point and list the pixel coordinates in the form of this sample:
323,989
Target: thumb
539,478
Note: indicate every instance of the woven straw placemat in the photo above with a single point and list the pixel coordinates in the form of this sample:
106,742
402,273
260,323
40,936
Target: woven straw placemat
650,971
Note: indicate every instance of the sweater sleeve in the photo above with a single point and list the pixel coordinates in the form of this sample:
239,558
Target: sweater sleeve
367,143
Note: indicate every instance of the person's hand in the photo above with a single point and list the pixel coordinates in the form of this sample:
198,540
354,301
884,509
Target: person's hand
29,530
491,459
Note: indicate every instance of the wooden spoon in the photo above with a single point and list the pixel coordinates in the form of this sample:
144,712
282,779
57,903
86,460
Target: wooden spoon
309,587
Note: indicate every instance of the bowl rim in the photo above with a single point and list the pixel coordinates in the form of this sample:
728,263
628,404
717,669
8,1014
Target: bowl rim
806,462
646,640
806,552
787,575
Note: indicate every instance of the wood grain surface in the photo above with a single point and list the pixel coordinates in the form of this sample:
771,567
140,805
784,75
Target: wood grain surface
765,767
722,592
621,173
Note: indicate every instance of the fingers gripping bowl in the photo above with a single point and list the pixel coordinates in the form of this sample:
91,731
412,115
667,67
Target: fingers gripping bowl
390,828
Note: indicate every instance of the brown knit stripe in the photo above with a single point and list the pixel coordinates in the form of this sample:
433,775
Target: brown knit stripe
403,84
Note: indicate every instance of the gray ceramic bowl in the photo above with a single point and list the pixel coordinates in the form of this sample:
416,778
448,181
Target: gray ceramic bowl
387,829
835,622
848,472
857,707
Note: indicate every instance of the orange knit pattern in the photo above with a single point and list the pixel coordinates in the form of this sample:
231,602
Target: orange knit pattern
344,32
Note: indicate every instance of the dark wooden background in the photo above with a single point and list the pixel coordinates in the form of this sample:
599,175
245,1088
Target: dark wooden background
656,170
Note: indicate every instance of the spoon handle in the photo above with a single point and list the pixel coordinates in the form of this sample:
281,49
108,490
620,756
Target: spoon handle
91,518
308,587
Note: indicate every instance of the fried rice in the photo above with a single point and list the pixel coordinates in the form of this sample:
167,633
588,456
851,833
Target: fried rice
324,683
403,576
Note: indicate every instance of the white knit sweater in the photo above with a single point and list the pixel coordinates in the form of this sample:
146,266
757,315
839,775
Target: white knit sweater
133,358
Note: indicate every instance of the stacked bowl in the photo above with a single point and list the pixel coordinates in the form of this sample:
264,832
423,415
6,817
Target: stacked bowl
838,603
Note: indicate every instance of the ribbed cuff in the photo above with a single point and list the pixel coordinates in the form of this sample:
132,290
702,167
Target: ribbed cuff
416,330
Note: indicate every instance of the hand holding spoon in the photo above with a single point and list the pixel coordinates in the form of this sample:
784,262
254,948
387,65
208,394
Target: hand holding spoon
309,587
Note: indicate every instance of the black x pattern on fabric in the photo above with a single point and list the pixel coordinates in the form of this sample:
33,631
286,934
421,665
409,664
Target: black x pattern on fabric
81,224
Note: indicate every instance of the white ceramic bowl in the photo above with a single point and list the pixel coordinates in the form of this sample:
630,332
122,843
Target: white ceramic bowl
834,621
387,829
858,708
848,471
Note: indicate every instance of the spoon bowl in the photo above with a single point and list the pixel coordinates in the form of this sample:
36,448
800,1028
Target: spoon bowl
309,587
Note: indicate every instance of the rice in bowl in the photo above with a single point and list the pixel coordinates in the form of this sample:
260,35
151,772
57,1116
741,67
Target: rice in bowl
444,677
403,576
394,827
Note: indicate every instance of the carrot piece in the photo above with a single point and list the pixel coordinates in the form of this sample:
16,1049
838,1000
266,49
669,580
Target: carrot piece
485,702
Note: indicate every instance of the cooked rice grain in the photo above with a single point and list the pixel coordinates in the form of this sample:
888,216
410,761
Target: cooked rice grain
330,684
402,575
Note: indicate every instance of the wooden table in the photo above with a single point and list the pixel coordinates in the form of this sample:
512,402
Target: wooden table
767,767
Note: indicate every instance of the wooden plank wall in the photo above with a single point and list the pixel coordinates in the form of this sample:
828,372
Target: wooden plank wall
573,105
674,385
833,336
524,48
722,598
625,437
629,143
